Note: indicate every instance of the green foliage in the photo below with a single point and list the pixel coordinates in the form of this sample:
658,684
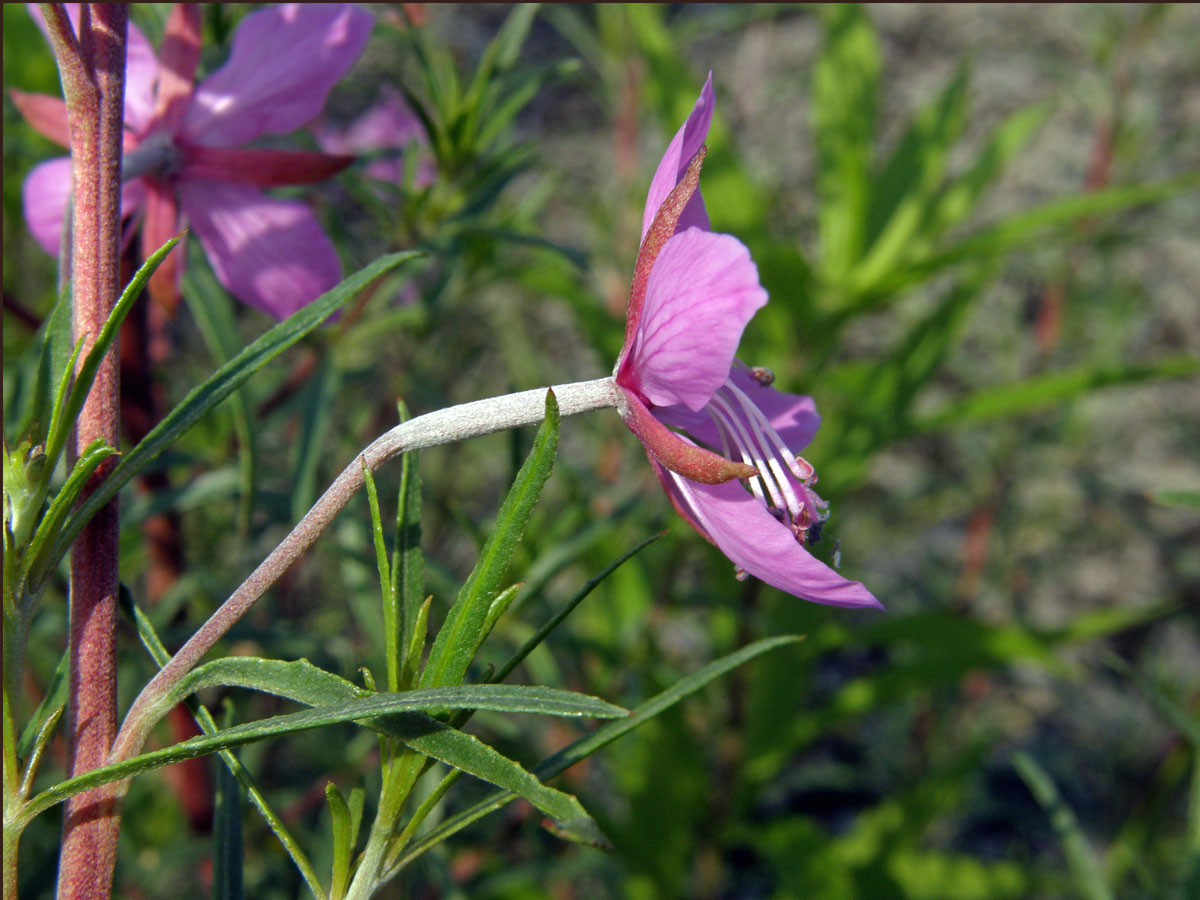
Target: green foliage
977,237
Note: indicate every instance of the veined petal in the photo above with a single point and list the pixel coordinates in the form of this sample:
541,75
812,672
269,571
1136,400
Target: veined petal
675,162
141,80
161,223
761,545
284,61
700,295
271,254
180,55
44,196
45,114
260,167
793,416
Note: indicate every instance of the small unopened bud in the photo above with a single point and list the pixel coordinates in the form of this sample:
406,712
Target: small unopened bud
763,375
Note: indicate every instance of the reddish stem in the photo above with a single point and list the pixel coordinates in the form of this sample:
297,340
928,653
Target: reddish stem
92,68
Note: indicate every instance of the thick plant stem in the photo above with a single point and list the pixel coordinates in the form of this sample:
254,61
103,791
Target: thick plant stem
444,426
92,67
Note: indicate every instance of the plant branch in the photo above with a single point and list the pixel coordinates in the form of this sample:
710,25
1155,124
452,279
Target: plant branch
92,68
444,426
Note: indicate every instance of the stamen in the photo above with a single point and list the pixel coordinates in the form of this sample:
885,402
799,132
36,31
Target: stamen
777,486
766,439
800,467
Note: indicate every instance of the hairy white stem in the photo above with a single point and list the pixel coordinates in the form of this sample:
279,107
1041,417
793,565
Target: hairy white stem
444,426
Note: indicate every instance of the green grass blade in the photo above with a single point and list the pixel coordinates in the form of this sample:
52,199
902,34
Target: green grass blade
461,633
904,190
844,83
1046,390
1084,865
408,567
220,385
558,618
228,852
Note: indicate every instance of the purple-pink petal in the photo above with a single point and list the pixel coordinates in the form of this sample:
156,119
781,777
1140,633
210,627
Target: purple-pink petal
44,195
141,80
793,416
271,254
702,291
284,61
753,539
675,161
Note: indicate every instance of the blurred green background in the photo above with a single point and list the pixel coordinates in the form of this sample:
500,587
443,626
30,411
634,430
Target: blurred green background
979,229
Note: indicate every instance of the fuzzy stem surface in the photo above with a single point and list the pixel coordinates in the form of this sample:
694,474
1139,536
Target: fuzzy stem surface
443,426
92,67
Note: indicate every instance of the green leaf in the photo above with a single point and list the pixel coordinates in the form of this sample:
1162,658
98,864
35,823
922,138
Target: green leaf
342,823
1003,145
204,719
420,732
227,837
34,561
844,83
391,627
1081,859
558,618
1046,390
1033,224
68,413
463,631
1178,499
54,701
316,402
220,385
904,191
408,568
212,310
305,683
499,606
586,746
53,364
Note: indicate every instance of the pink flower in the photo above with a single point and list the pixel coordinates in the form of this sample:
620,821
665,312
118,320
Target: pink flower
185,163
389,125
734,476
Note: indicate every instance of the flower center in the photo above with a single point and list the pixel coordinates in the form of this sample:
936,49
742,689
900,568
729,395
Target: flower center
784,479
156,155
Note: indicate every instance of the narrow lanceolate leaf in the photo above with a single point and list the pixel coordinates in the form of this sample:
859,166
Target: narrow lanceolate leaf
408,569
220,385
52,364
313,686
461,633
34,563
602,736
204,719
1046,390
420,732
64,422
1085,867
228,852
